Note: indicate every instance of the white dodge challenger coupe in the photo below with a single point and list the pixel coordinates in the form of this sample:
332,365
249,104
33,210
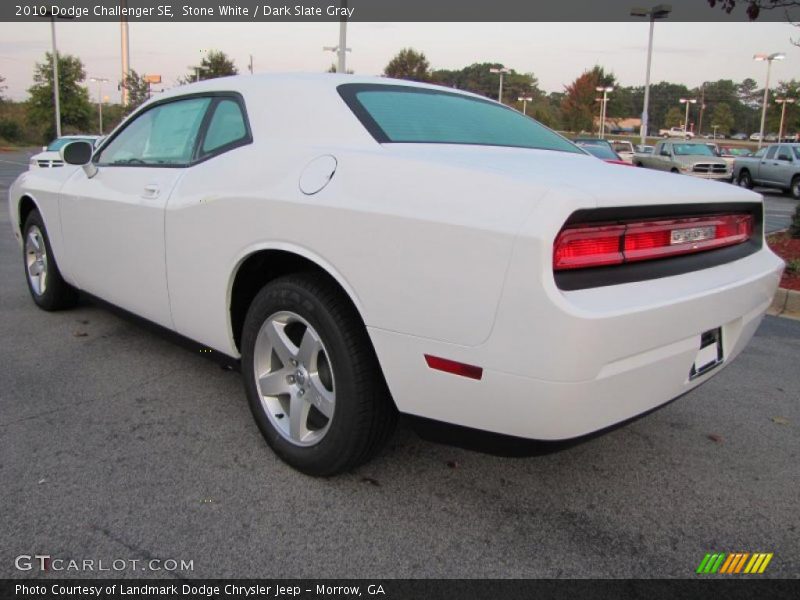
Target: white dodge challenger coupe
367,246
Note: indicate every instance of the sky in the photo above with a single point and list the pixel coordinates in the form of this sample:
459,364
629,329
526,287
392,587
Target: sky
556,53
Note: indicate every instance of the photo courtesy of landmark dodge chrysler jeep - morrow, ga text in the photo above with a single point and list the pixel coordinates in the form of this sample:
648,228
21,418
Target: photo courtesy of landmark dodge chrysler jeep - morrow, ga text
366,246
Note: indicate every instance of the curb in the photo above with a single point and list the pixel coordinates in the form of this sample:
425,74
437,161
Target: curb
786,303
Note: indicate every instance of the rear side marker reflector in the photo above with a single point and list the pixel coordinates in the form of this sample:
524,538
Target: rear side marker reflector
581,246
451,366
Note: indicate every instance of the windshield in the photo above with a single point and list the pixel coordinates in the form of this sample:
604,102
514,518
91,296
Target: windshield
405,114
599,151
738,152
692,150
56,145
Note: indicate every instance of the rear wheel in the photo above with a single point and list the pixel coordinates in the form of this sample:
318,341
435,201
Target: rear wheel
745,180
795,189
48,289
674,170
312,378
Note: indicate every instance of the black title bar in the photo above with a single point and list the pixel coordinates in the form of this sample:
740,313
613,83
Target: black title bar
394,10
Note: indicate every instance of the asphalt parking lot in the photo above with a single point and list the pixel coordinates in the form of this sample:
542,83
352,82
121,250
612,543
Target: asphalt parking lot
118,443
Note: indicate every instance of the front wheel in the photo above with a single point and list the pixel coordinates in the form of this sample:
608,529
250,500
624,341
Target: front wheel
312,379
745,180
48,289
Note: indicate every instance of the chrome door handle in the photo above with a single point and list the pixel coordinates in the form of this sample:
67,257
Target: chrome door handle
151,191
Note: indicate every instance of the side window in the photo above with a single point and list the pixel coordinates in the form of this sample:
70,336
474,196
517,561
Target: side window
162,136
771,152
760,153
784,153
227,126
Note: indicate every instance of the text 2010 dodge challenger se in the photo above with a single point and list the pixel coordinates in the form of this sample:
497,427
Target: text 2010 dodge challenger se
368,245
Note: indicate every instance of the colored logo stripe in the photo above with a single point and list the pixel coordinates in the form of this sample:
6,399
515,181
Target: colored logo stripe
734,563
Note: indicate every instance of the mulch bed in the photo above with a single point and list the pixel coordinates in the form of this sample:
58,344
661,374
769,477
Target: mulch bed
788,249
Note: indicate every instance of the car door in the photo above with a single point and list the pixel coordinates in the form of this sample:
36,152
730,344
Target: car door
784,166
766,166
664,157
113,222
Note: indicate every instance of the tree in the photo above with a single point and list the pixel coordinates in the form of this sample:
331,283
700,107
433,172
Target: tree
409,64
214,64
675,117
579,108
76,109
2,88
478,79
722,118
138,90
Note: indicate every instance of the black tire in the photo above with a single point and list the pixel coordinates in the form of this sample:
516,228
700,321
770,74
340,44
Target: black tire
364,416
57,294
638,164
794,191
745,180
674,170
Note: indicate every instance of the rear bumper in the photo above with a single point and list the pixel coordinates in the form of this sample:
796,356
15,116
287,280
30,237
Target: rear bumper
588,359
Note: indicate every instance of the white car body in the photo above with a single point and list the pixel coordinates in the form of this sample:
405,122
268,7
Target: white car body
444,250
47,159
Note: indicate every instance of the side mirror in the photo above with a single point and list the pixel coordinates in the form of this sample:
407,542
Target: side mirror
80,153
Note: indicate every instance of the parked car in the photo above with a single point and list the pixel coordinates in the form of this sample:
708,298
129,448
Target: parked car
625,150
643,149
776,166
603,152
49,157
675,132
731,154
739,136
755,137
364,245
690,158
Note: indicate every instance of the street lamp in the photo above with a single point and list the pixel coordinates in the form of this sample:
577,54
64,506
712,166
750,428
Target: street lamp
603,104
769,58
715,131
56,97
783,102
687,102
660,11
524,100
502,71
99,81
342,49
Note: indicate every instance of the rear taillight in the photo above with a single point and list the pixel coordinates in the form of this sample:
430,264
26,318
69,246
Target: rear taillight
582,246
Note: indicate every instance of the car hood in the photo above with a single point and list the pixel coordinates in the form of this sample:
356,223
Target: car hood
544,170
694,159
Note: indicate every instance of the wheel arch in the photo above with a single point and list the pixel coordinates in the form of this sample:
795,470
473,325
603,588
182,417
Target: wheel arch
258,266
25,206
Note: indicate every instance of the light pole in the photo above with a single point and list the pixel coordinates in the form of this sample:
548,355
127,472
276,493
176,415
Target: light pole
125,51
502,71
99,81
661,11
769,58
603,104
783,102
687,102
524,100
715,131
342,49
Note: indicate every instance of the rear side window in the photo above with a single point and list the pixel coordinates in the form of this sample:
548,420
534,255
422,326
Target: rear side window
405,114
227,126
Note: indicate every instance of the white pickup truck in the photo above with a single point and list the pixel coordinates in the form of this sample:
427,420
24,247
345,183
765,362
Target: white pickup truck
675,132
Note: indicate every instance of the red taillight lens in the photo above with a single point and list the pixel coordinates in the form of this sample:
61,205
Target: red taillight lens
582,246
578,247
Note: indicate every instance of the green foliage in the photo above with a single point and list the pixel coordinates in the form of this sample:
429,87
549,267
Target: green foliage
477,78
138,90
675,117
73,97
214,64
722,117
10,130
2,88
409,64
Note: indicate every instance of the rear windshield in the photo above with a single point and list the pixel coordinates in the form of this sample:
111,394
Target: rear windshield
405,114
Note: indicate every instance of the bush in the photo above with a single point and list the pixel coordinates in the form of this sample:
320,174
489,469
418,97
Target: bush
10,130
